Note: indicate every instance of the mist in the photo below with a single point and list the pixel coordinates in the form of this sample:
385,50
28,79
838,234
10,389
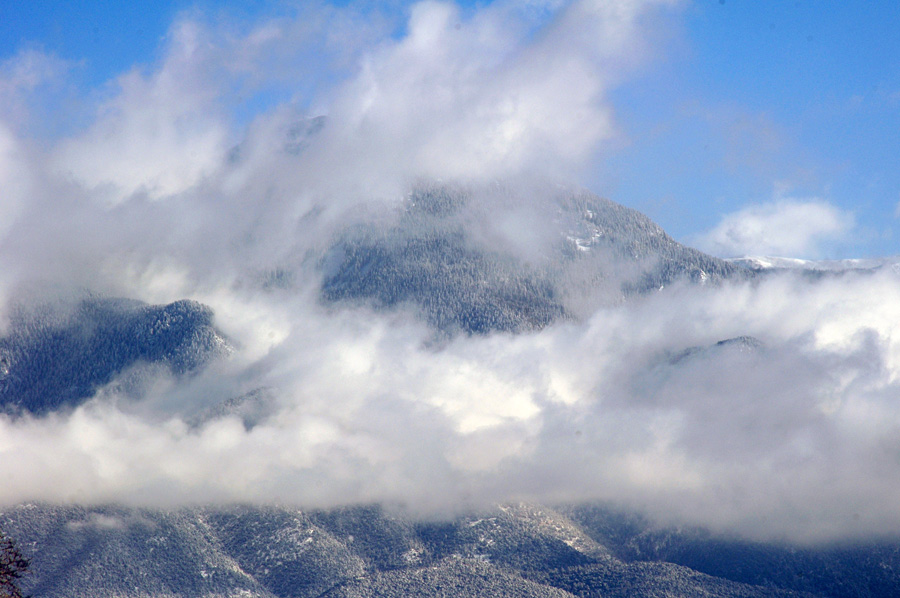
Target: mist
164,191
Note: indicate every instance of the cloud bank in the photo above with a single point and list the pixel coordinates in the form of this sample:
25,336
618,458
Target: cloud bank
167,192
794,437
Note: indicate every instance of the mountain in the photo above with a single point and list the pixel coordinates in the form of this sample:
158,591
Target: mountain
512,551
58,355
439,252
465,270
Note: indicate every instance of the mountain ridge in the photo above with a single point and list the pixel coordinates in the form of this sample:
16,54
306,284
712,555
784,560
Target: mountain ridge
511,550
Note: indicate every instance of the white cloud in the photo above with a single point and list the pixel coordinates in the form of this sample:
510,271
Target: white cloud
160,135
497,93
366,410
487,96
509,89
24,78
15,178
785,227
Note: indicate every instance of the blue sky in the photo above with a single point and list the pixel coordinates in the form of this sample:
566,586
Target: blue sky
735,108
765,98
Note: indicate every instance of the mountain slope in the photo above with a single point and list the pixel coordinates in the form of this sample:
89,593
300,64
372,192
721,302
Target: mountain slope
57,356
513,550
477,265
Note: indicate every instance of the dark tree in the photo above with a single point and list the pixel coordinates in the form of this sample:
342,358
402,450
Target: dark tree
12,567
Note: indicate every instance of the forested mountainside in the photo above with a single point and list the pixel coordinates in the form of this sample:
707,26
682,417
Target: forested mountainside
442,254
511,551
59,355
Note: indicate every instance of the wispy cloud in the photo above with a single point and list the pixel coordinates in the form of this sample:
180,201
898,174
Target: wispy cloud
168,172
784,227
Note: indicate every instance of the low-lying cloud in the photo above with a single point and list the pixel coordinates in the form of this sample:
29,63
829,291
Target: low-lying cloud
165,194
792,435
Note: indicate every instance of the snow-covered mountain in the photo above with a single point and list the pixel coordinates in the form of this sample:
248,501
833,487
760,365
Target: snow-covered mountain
57,355
444,254
514,550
